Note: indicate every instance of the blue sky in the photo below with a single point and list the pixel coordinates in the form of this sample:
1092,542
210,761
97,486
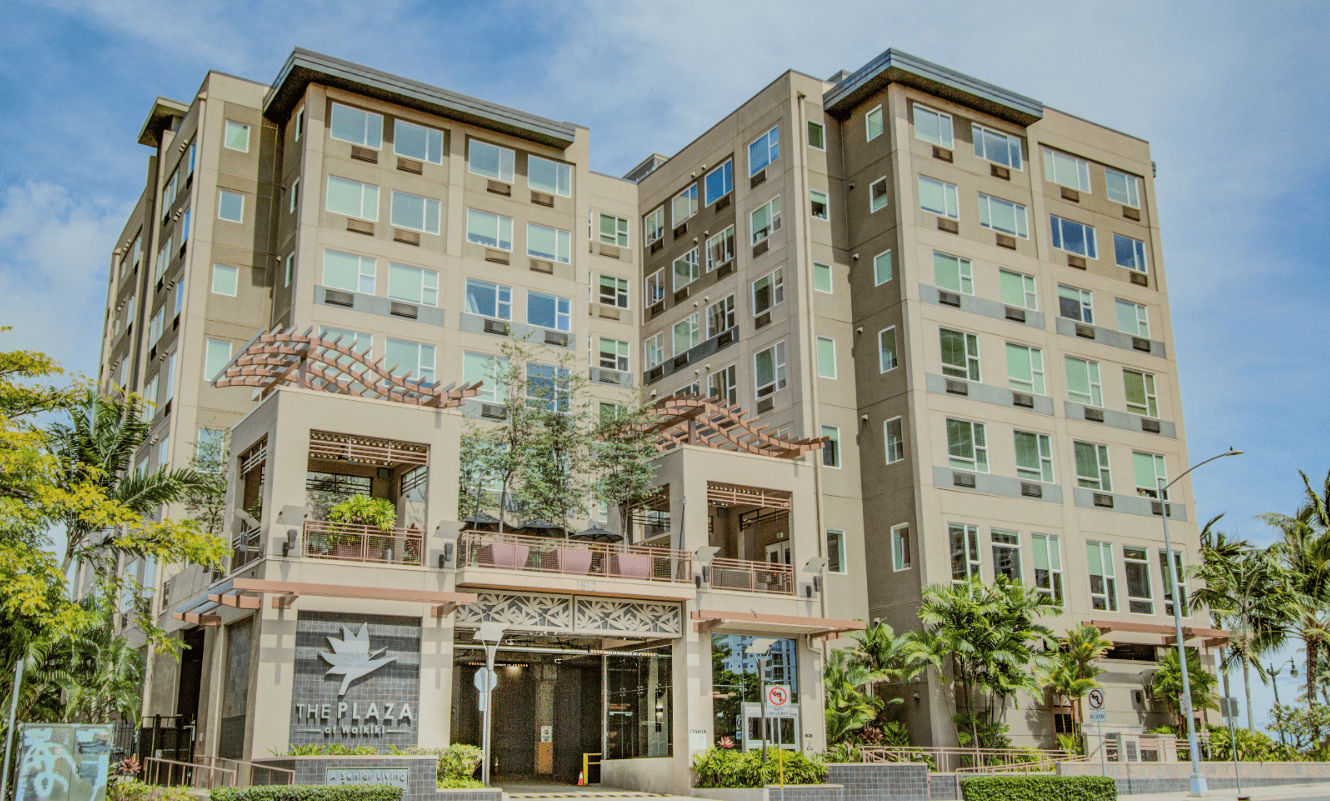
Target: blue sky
1230,96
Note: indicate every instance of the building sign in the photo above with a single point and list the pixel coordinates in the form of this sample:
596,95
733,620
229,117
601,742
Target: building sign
397,777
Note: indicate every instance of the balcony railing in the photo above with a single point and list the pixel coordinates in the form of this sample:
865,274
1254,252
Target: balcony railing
574,557
245,548
741,574
353,542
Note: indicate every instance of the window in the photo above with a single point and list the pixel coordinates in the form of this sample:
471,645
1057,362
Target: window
1139,596
826,357
294,199
1122,188
209,449
873,123
653,352
1141,396
720,249
224,280
1074,237
1047,552
967,446
163,259
724,384
939,197
719,182
235,136
300,123
882,271
1129,253
831,448
835,551
822,277
1018,289
1067,170
490,161
155,326
414,359
149,399
189,159
348,272
614,291
230,206
216,354
613,230
1103,581
549,311
768,290
683,206
549,243
900,547
489,300
1151,473
1083,384
613,354
547,386
168,195
894,434
953,273
415,213
353,198
763,151
877,195
1034,456
765,220
290,269
655,287
1133,318
1177,578
490,371
933,126
184,227
490,230
356,126
687,334
960,354
817,135
1003,215
1076,304
720,316
417,142
769,370
164,450
1025,368
653,226
1006,554
965,563
551,177
996,147
686,269
413,285
179,296
818,205
1092,470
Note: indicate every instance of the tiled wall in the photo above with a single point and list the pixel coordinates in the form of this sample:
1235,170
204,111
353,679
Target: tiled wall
905,782
422,778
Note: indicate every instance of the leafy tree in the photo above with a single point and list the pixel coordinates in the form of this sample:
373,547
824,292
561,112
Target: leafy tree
515,437
1303,726
624,456
554,473
848,708
1075,668
206,500
1167,684
1304,553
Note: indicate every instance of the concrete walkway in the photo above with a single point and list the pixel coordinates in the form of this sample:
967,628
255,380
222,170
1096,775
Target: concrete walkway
1287,792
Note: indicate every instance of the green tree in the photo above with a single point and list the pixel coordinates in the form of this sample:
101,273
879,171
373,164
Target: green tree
554,473
624,457
1167,684
205,500
1304,553
1075,668
848,708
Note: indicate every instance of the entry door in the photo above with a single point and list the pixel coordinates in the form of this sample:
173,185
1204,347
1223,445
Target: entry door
779,552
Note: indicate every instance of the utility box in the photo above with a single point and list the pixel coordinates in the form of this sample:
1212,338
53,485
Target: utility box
544,759
63,762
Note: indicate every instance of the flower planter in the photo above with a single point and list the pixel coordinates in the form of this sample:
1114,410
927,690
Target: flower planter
573,561
501,554
633,565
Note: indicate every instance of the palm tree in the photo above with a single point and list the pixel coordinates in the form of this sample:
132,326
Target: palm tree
1304,552
885,655
1167,685
1075,668
848,709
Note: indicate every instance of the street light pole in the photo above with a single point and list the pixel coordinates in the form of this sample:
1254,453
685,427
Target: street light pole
1274,682
490,635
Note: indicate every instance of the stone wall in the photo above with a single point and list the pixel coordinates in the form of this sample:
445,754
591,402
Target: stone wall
881,782
1134,778
421,772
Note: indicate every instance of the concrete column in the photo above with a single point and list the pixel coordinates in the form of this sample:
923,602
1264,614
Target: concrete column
436,682
693,709
272,677
812,721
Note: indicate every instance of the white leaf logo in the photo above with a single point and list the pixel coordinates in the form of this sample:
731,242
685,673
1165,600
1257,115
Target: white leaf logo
350,657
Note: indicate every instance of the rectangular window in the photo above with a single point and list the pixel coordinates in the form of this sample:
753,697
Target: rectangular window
290,270
356,126
1151,473
549,311
835,551
1133,318
1122,188
230,206
818,205
1083,384
613,354
1076,304
1177,578
613,291
653,351
149,394
189,159
412,359
655,287
164,451
831,448
184,227
180,296
489,370
225,280
415,213
552,244
1141,396
965,563
765,220
168,196
817,135
939,197
300,123
768,290
489,230
417,142
1092,471
1034,456
210,448
967,447
900,547
1025,368
683,206
613,230
168,375
826,357
1047,552
894,435
653,226
156,325
1068,171
1129,253
686,269
1103,580
822,277
547,386
1139,595
953,273
489,300
687,333
724,384
763,151
216,354
719,182
720,249
996,147
1018,289
163,259
550,177
886,350
490,161
933,127
1006,554
873,123
353,198
882,271
413,285
1003,215
877,195
294,199
720,316
235,136
960,354
348,272
1074,237
769,370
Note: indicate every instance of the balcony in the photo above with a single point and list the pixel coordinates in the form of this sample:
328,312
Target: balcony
572,557
246,547
351,542
773,578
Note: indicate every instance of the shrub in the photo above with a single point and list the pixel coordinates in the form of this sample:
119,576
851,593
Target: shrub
725,767
134,790
305,792
457,763
1039,788
1252,747
366,511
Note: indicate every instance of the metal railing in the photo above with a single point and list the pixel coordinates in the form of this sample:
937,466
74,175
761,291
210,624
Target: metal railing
247,774
354,542
245,548
574,557
170,773
952,760
748,576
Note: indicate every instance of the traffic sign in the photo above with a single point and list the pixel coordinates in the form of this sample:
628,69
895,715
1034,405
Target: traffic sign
1096,699
1228,707
1184,705
778,695
481,675
1097,716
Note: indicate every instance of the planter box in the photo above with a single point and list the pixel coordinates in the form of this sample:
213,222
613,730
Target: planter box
633,565
571,561
772,792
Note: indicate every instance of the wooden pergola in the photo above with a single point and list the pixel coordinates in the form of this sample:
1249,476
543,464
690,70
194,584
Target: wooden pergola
1210,638
709,422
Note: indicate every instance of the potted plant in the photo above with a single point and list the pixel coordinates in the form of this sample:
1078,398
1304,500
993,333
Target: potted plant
358,510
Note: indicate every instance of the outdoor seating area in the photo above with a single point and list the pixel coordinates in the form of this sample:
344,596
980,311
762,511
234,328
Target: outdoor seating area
573,556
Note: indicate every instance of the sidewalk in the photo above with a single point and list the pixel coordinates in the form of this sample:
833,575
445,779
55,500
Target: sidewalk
1287,792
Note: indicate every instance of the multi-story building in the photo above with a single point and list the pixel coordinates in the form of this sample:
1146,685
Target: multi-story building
900,327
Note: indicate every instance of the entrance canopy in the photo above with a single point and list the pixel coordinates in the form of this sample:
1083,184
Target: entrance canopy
1211,637
776,625
246,593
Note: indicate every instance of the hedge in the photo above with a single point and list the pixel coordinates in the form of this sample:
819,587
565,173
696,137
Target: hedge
728,768
1039,788
307,792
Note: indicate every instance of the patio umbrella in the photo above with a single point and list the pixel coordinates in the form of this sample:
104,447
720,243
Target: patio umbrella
479,521
598,534
541,527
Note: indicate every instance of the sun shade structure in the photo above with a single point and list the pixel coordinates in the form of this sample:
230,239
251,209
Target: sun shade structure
696,420
1212,637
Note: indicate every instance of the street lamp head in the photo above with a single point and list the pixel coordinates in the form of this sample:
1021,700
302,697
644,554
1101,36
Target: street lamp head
1233,452
1293,673
490,633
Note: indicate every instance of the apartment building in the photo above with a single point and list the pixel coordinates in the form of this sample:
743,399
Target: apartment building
820,296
